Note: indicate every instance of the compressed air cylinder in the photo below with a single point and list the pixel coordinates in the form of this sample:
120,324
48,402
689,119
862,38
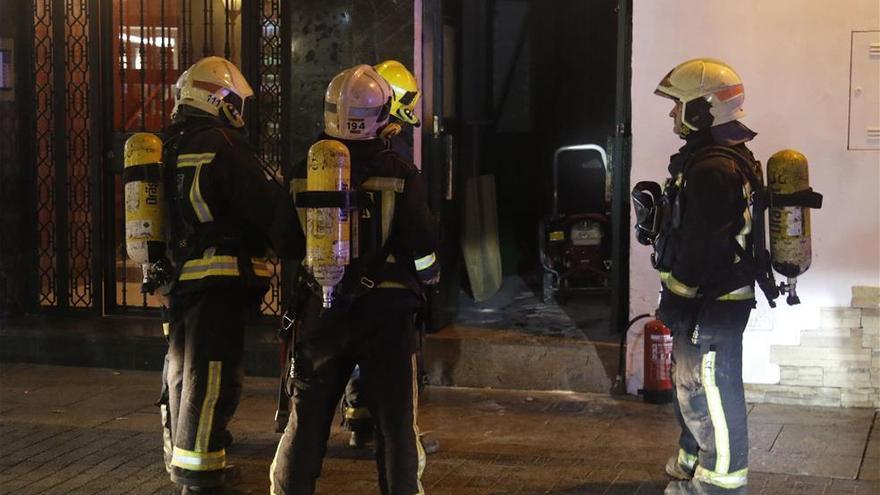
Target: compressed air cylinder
144,199
327,229
790,248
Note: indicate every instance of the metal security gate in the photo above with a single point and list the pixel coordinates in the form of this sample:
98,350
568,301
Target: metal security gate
102,70
65,158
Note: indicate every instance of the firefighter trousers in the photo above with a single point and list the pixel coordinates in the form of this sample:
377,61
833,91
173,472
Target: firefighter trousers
380,338
710,402
204,377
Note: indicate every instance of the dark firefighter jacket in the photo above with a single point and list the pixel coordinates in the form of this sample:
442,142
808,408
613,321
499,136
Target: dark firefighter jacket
713,214
226,211
397,227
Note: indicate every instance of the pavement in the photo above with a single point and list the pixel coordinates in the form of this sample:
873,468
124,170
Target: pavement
76,430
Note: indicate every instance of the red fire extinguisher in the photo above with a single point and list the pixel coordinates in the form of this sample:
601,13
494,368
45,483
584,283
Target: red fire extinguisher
658,363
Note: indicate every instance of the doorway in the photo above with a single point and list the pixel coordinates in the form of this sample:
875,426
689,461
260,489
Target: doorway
514,85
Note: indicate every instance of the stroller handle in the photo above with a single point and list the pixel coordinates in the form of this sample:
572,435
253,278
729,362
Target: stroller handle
563,149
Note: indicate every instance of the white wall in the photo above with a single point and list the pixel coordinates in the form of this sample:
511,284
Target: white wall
794,57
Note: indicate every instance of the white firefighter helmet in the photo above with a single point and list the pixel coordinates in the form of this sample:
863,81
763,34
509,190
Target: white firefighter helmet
216,86
710,92
357,104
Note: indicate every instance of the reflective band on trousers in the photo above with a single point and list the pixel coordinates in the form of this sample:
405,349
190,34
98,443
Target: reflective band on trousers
198,461
206,418
415,417
203,213
716,414
726,480
426,262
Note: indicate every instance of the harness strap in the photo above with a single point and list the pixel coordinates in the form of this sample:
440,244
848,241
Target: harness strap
754,263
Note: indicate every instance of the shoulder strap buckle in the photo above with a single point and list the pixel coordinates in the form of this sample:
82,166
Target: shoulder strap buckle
367,282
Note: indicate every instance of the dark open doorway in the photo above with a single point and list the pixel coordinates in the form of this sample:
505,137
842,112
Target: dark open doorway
514,84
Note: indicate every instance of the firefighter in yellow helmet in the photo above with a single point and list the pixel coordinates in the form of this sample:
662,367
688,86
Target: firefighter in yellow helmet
406,91
370,324
397,133
706,275
226,215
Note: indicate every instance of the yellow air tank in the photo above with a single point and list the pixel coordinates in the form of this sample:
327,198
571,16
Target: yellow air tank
328,229
144,200
790,247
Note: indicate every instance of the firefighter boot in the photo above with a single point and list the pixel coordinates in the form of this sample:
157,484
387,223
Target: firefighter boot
360,437
429,444
214,490
696,487
681,467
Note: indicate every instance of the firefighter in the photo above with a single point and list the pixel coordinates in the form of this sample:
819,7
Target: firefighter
225,214
370,324
707,291
403,113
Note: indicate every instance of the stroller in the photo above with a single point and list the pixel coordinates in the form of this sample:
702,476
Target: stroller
574,241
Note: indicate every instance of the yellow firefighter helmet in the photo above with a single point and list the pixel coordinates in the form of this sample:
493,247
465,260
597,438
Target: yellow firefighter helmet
406,90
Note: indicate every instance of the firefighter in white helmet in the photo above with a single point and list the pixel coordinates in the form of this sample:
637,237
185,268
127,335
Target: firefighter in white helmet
706,275
226,215
371,322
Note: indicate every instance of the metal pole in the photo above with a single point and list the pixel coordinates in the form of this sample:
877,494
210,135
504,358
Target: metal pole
59,142
620,217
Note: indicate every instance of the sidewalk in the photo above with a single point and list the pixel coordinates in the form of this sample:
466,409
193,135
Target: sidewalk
67,430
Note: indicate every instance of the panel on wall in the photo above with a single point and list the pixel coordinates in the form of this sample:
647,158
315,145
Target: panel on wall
864,91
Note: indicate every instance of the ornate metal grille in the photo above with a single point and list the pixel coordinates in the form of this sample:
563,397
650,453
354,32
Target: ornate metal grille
45,157
63,158
151,41
78,150
269,112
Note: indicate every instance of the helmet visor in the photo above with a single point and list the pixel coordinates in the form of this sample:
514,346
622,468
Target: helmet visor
364,112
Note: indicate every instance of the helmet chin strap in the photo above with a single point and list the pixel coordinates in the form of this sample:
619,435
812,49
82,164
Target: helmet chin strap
390,130
232,116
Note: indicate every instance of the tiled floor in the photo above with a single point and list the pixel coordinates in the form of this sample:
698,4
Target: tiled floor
88,431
